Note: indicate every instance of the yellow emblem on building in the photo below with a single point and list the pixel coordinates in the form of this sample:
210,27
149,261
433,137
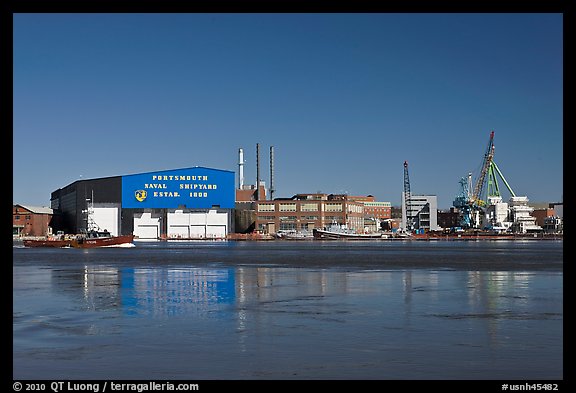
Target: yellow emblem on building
140,195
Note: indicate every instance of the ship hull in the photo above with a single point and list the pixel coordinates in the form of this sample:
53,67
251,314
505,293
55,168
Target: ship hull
331,235
103,242
81,242
48,243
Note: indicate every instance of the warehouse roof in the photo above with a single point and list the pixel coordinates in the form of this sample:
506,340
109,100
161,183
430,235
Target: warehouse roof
37,209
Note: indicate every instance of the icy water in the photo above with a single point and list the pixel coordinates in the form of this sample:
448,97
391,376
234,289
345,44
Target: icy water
290,310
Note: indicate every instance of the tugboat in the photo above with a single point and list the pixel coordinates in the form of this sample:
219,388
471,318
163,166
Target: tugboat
92,237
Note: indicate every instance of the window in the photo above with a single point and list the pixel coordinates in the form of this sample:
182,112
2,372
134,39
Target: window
334,207
309,207
287,226
287,207
265,207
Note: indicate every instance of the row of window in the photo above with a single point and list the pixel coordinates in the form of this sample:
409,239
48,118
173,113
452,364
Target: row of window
307,218
27,217
308,207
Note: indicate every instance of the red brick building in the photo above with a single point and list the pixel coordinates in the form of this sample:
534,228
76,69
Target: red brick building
249,194
308,211
541,214
374,209
449,219
31,220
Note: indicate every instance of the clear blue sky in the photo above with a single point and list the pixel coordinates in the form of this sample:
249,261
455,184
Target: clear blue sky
343,98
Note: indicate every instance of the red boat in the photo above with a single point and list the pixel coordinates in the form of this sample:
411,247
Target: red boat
95,239
49,242
91,239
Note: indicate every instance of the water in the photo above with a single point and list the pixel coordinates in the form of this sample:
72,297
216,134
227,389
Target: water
290,310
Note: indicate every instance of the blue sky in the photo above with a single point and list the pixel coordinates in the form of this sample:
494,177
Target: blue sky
344,98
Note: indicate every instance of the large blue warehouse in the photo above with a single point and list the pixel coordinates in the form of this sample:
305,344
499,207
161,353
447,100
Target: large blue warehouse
188,203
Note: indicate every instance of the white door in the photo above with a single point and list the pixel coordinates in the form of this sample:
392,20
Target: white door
146,226
107,218
197,231
178,232
147,231
216,231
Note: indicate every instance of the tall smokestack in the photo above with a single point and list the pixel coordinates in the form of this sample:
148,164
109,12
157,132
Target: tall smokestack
240,168
257,171
272,172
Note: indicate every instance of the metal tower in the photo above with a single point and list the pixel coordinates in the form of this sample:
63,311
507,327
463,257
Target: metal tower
407,198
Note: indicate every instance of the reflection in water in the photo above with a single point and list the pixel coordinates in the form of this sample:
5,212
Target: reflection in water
493,295
173,291
279,321
257,291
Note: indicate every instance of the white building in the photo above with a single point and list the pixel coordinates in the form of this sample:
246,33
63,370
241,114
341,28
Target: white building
497,215
522,221
423,211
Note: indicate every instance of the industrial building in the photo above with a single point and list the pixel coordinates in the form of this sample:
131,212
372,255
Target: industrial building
187,203
374,209
422,212
448,219
304,212
258,210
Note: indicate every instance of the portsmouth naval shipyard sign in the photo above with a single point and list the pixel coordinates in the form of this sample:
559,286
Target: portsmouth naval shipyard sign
194,188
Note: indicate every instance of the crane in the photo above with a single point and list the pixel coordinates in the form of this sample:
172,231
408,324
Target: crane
493,189
470,200
407,198
475,198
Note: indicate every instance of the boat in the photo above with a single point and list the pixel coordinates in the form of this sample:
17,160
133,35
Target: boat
55,242
337,231
91,237
94,238
301,235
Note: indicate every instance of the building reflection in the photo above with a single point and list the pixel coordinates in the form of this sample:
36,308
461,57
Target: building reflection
272,283
95,288
257,296
173,291
157,291
497,296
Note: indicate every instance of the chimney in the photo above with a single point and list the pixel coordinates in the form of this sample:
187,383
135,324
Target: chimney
272,172
257,171
240,168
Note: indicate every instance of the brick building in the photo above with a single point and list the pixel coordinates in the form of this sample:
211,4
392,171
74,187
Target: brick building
542,214
449,219
374,209
31,220
308,211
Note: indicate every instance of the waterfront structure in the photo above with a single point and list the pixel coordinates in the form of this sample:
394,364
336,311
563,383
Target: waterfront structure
305,212
187,203
520,216
558,208
448,219
374,209
553,224
32,220
423,210
541,214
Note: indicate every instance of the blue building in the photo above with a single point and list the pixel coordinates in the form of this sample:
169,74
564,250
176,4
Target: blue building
187,203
